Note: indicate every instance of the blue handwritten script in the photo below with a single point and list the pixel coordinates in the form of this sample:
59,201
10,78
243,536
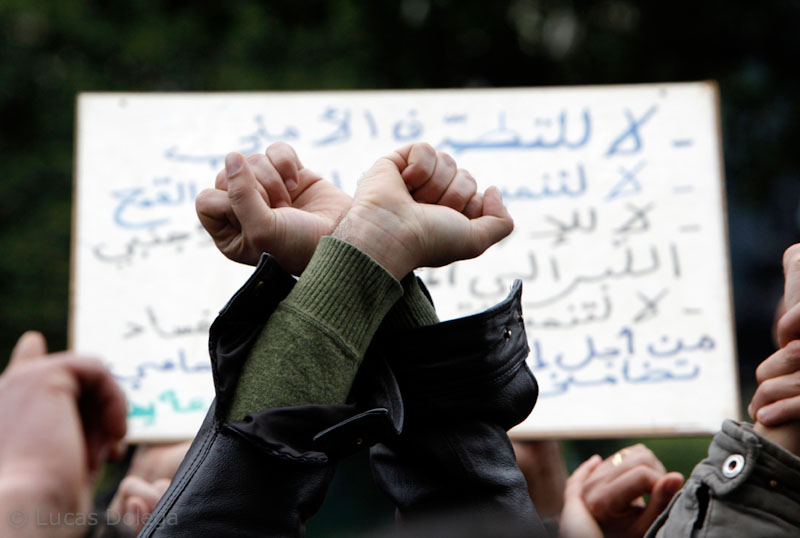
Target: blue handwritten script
168,402
548,134
146,208
617,360
564,183
609,195
154,327
180,364
249,143
150,242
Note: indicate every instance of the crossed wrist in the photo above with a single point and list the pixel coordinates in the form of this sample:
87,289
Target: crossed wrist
387,245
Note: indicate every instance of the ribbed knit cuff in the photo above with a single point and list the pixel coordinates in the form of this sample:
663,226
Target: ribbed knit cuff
414,309
343,288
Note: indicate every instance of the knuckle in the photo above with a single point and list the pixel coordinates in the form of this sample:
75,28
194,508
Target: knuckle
446,159
425,148
237,193
281,158
597,504
792,353
761,372
786,325
128,484
456,198
767,388
203,197
468,177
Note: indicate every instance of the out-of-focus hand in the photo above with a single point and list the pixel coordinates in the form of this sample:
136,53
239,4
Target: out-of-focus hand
135,500
401,234
543,467
61,416
270,203
614,491
776,404
152,468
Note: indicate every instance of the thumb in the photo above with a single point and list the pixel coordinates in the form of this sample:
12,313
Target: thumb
30,345
249,206
662,493
495,221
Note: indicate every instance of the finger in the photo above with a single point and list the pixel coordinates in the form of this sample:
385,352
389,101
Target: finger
29,346
102,405
788,327
460,191
221,182
136,486
616,498
399,157
444,173
135,513
662,494
779,412
385,171
215,212
663,491
284,158
305,179
577,479
161,485
474,207
248,205
576,521
633,457
420,164
784,361
494,224
629,458
269,182
774,389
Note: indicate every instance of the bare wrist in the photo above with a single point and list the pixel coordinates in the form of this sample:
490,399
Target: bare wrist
368,232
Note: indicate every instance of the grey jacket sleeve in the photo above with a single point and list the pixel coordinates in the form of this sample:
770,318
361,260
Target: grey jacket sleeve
747,486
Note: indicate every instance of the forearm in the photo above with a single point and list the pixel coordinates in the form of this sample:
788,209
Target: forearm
311,347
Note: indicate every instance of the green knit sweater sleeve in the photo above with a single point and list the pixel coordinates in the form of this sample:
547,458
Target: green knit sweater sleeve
310,348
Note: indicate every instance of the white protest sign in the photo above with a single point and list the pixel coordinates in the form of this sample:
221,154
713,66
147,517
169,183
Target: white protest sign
620,238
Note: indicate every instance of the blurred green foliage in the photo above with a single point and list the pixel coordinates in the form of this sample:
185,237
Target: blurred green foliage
52,49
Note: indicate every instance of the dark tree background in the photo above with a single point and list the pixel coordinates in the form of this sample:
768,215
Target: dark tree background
52,49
